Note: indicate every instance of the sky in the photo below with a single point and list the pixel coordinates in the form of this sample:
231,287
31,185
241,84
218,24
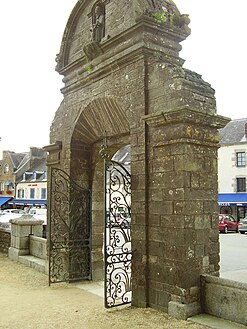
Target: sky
31,34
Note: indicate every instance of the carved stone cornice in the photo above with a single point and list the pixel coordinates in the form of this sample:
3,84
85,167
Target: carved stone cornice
54,153
186,116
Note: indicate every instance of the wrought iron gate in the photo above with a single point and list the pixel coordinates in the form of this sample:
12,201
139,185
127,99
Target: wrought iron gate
117,240
69,229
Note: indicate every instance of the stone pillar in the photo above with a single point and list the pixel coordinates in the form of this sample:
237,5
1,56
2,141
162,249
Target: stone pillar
182,222
21,228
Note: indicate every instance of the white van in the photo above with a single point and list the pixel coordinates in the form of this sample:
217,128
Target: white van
8,214
39,213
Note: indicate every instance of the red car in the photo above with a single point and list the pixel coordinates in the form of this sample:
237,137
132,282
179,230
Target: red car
227,223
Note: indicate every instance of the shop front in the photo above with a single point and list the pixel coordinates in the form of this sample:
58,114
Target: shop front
234,204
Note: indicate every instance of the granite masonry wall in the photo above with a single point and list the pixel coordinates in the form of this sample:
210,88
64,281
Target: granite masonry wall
129,87
5,237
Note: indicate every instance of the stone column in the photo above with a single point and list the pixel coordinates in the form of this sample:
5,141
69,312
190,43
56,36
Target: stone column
21,228
182,222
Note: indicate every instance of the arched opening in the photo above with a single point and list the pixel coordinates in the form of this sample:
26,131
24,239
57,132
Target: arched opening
86,169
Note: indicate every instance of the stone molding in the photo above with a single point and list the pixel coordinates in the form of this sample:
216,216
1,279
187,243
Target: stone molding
54,153
190,120
186,116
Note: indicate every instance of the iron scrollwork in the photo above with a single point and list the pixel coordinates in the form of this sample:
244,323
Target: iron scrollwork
117,235
69,229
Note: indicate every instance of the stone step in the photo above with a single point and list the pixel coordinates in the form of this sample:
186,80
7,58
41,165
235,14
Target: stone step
34,262
94,287
214,322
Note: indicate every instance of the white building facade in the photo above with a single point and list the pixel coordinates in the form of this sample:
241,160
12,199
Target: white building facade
35,192
31,183
232,169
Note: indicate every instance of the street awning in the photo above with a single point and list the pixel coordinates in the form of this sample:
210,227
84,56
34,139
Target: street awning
232,199
28,202
3,200
8,183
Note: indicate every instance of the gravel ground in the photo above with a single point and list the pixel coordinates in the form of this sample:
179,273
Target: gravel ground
26,301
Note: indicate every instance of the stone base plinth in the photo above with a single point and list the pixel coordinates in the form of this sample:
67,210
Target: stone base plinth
183,311
14,253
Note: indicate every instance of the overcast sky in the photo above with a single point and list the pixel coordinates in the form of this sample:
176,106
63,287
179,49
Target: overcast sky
31,33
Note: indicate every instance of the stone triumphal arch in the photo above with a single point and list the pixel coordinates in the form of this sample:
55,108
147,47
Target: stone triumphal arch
125,88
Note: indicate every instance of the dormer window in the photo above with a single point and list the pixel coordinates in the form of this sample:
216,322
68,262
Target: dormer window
39,175
26,176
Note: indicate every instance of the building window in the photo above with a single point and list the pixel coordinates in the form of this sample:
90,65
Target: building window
6,169
241,184
240,159
20,194
32,193
43,193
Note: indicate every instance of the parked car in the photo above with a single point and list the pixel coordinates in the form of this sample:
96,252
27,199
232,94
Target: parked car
13,211
39,213
243,226
8,214
227,223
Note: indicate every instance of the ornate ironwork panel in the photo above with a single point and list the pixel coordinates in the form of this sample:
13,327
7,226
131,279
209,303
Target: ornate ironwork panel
117,235
69,229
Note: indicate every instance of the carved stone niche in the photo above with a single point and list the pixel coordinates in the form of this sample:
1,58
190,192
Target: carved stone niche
98,34
98,21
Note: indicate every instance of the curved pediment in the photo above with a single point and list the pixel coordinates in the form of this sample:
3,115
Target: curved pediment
93,23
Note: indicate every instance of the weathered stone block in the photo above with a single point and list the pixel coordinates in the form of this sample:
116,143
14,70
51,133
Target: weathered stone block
220,295
199,251
22,243
37,230
161,207
23,230
173,221
183,311
14,253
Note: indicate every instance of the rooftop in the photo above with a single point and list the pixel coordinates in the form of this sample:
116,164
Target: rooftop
235,132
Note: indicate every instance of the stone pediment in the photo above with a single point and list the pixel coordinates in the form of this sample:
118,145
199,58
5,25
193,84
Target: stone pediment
94,27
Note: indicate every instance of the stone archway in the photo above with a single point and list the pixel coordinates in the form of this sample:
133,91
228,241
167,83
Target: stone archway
101,121
130,86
